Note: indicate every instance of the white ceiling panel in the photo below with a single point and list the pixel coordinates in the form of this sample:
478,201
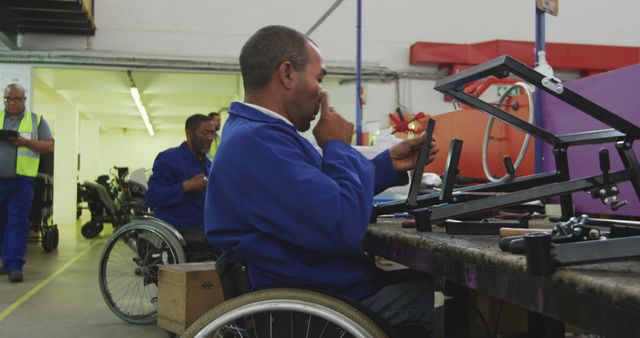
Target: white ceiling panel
103,94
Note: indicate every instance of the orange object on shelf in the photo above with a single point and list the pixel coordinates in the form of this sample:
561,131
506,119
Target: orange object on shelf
468,125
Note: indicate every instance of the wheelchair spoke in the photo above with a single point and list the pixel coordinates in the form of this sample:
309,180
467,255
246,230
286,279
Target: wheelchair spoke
280,324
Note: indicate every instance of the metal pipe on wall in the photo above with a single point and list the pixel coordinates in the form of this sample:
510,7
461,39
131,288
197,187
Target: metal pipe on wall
539,46
359,74
324,17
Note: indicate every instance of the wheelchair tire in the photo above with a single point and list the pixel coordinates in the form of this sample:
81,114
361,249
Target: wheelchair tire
55,236
128,271
285,313
91,229
47,240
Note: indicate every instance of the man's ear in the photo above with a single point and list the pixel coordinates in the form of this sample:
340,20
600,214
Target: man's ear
287,74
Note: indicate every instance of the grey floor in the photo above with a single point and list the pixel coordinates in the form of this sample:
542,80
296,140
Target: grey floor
60,296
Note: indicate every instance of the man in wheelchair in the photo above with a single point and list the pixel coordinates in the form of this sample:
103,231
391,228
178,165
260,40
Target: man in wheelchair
176,187
295,216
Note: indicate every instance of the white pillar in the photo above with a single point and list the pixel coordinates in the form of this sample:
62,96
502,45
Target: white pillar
65,164
89,150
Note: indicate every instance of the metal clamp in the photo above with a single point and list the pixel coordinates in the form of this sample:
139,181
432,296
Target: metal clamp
554,84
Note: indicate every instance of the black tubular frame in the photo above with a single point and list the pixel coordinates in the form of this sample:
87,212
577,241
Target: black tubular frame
438,207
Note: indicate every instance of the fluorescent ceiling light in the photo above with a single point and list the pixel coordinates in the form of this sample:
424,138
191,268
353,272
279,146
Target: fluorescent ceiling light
143,112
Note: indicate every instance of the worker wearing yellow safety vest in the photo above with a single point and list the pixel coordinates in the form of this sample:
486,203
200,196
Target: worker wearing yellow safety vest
217,121
19,159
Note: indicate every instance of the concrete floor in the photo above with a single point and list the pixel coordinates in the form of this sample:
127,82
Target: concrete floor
60,296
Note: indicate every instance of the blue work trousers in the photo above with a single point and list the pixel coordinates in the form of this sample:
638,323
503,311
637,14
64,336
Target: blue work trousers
16,195
406,300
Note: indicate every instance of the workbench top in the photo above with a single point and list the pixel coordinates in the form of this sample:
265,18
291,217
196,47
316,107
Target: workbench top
477,262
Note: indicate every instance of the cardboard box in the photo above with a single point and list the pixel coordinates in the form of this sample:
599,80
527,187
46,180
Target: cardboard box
185,292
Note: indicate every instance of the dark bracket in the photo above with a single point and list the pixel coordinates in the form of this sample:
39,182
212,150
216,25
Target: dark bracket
484,227
543,256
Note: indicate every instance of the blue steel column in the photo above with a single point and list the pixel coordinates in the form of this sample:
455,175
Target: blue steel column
540,43
359,74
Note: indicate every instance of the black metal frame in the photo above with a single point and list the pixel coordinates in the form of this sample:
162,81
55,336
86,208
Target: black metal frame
437,207
543,256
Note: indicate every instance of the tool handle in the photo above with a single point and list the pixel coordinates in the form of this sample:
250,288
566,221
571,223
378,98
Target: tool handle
504,242
506,232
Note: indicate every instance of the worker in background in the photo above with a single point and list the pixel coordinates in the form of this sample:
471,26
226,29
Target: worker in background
217,122
176,186
19,160
297,217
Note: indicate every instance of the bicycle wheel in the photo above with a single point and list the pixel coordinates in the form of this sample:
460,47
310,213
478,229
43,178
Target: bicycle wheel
285,313
128,274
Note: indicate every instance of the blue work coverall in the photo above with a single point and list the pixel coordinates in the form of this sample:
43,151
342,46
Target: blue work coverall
297,217
165,195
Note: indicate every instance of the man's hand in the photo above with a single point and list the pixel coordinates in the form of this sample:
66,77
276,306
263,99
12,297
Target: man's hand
39,146
196,183
18,141
331,125
404,155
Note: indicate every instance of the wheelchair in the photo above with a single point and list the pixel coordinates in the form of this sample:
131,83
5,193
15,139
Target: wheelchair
128,278
41,212
107,208
128,269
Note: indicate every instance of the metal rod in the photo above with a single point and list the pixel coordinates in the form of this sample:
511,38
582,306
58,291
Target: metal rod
446,211
537,107
591,137
427,200
422,161
359,74
324,17
451,170
595,251
504,116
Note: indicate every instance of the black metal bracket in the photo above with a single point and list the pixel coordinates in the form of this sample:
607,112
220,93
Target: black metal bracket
483,227
543,256
451,168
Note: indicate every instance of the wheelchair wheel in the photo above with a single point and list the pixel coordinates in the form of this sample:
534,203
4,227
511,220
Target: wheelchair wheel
285,313
128,273
91,229
47,240
55,236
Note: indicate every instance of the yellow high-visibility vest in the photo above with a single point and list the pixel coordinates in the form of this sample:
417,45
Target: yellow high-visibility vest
214,147
27,160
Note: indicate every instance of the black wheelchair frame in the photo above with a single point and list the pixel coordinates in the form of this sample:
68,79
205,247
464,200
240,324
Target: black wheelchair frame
42,211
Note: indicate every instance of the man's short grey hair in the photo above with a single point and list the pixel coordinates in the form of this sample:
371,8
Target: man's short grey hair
14,85
266,50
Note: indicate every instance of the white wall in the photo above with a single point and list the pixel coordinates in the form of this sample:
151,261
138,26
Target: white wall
215,30
134,149
89,150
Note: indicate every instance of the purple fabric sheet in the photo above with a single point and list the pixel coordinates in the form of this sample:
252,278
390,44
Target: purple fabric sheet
619,92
